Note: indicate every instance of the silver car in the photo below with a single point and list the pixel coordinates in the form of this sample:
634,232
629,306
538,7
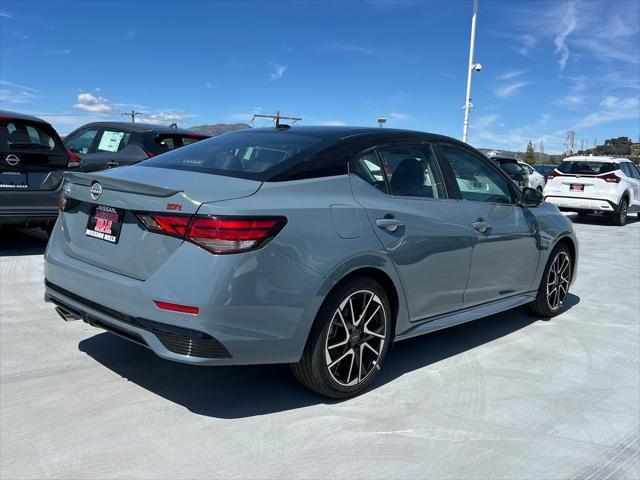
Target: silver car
313,246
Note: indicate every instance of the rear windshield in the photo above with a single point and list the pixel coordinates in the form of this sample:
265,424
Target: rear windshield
512,168
580,167
20,135
250,155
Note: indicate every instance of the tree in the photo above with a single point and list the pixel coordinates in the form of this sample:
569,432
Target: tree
530,157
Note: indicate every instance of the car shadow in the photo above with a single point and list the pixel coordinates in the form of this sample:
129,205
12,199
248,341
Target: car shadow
245,391
596,219
27,241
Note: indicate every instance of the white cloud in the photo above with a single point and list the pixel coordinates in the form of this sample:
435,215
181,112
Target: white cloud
164,117
278,71
512,74
569,23
5,14
504,91
65,51
131,34
208,85
399,115
14,93
612,109
244,116
544,118
93,103
570,100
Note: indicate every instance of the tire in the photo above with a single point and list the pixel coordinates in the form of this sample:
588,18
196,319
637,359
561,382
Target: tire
619,216
343,374
558,274
539,188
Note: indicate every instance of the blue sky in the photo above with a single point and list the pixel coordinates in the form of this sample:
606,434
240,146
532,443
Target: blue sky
547,66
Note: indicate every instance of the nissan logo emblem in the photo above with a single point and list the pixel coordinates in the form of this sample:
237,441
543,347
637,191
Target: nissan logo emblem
12,159
96,190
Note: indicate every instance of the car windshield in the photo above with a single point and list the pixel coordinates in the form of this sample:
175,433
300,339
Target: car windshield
544,169
240,154
582,167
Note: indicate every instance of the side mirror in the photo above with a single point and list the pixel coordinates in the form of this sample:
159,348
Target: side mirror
531,197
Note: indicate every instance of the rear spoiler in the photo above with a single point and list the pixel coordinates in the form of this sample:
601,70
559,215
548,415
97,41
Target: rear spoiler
120,185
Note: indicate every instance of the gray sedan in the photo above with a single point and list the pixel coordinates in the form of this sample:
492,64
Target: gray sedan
313,246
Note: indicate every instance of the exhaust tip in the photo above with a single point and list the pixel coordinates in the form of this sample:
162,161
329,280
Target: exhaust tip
67,316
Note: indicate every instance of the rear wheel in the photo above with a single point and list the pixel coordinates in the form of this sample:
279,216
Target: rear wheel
349,341
619,216
554,286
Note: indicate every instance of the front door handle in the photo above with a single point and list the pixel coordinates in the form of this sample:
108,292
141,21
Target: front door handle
390,224
481,226
112,164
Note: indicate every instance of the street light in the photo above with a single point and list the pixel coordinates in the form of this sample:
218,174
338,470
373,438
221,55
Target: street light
382,121
472,67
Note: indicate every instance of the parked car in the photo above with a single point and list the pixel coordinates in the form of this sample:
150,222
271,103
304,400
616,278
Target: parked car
545,168
595,185
534,179
300,247
104,145
32,161
512,168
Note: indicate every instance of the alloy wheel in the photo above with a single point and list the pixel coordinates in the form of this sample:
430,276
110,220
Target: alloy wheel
356,337
558,280
623,212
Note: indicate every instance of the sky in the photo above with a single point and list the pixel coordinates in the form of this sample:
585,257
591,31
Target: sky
548,66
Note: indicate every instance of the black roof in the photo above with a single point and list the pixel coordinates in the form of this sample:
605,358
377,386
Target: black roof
337,133
141,128
21,116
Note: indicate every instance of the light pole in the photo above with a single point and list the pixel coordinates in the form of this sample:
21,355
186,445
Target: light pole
472,66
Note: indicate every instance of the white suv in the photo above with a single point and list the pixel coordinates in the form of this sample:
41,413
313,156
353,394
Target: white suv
595,184
534,179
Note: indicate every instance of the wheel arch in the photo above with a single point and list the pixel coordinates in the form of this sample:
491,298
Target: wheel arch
573,252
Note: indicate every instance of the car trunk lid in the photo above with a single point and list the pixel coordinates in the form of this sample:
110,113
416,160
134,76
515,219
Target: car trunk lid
101,226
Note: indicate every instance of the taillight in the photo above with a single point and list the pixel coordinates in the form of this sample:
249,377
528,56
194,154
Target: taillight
610,178
552,174
219,235
74,159
233,234
174,225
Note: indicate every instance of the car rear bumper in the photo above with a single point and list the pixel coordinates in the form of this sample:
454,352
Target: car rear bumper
581,203
255,308
29,208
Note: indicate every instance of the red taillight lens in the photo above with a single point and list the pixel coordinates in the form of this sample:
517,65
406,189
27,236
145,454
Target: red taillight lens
233,234
74,159
552,174
174,307
219,235
174,225
610,178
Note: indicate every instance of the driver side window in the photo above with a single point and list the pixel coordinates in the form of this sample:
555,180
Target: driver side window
476,180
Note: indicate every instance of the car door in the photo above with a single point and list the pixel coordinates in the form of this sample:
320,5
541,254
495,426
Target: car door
633,177
423,230
505,254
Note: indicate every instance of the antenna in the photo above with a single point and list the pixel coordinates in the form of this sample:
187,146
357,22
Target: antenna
277,117
382,121
568,144
133,114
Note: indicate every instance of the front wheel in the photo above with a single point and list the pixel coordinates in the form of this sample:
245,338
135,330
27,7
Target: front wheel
349,341
554,286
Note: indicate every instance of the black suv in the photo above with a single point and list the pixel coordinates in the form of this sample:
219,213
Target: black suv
104,145
512,168
32,162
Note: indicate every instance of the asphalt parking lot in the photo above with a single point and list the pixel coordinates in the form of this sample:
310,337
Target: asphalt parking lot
510,396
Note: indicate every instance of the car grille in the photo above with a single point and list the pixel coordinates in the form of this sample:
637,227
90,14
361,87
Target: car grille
183,341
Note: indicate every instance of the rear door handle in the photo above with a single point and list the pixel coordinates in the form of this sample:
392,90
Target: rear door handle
481,226
112,164
390,224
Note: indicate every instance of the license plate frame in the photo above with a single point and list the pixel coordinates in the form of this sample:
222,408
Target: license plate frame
576,187
14,181
105,223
